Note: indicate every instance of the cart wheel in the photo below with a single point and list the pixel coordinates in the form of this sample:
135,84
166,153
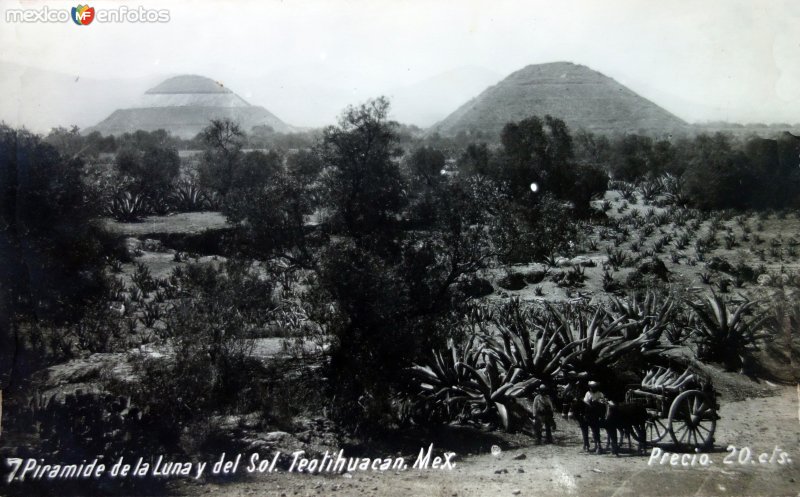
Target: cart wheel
692,420
655,429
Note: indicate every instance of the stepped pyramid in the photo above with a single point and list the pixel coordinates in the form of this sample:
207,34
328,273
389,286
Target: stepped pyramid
184,105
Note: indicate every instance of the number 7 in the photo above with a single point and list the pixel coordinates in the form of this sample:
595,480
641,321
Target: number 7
16,463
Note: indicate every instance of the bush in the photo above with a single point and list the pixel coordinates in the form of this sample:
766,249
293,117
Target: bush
256,169
152,167
211,368
52,254
525,234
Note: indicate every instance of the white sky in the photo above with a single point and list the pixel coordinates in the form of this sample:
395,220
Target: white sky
736,60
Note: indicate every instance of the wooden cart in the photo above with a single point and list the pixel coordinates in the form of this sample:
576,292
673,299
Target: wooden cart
688,413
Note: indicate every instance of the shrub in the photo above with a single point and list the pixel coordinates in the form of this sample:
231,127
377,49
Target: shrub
211,368
533,234
152,166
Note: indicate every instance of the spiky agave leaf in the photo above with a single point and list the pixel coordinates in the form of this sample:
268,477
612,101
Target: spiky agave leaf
726,333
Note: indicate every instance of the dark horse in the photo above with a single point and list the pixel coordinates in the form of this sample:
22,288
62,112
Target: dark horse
615,418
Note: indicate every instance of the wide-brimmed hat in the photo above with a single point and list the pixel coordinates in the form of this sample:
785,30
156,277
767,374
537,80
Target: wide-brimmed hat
593,383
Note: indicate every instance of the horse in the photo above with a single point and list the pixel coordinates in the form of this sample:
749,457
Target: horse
587,416
614,418
626,419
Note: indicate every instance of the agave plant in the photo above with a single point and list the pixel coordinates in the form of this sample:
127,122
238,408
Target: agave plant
669,183
495,390
188,197
650,189
724,332
594,340
648,316
127,207
473,378
616,258
526,341
442,378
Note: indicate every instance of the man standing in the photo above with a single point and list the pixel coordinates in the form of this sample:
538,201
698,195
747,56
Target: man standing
595,411
543,415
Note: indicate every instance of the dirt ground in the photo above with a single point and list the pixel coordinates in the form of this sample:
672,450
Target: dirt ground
762,424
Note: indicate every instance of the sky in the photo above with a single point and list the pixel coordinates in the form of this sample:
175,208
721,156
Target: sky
731,60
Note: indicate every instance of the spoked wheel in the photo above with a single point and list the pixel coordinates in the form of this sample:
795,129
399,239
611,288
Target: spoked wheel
655,429
692,420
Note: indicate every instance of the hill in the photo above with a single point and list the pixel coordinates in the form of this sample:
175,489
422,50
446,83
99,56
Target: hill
39,99
582,97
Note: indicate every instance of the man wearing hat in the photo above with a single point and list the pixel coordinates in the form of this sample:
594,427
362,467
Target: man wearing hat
594,395
543,415
596,402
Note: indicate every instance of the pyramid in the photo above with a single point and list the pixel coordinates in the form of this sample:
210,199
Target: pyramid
184,105
583,98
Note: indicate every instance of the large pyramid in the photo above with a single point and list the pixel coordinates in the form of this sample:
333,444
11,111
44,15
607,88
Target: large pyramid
184,105
583,98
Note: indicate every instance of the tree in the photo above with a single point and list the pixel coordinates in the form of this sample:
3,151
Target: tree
68,142
425,166
272,220
592,149
304,164
542,152
50,252
718,176
537,152
256,169
153,167
364,189
476,159
222,141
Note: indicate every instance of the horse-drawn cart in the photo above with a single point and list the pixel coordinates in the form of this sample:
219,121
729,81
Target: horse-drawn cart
683,405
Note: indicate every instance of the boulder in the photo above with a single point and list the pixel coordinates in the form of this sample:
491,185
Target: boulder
132,245
563,262
655,267
535,276
152,245
583,261
512,281
720,264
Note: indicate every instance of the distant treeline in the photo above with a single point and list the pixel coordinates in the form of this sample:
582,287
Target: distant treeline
716,171
719,169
